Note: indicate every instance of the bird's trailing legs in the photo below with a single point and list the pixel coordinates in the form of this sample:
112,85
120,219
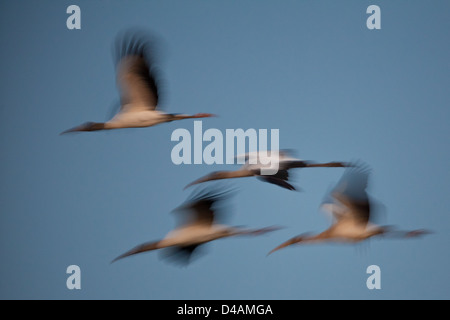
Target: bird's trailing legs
194,116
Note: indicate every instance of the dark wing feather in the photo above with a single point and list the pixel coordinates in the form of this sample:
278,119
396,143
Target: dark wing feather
202,206
278,182
358,209
202,211
280,179
351,192
137,74
181,255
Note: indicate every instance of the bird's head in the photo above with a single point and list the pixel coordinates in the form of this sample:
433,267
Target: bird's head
87,126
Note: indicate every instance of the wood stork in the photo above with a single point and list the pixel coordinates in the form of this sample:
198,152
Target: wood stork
284,162
137,81
352,210
198,227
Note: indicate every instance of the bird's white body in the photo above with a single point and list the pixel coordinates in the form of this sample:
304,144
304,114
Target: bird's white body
136,119
347,226
196,234
264,159
351,231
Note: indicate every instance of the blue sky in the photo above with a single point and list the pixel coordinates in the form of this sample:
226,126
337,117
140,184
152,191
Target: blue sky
335,90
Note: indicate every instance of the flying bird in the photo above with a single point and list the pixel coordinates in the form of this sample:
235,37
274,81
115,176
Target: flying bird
198,226
137,79
284,162
353,212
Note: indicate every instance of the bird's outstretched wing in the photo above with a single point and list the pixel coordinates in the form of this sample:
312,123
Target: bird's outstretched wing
350,197
203,206
137,74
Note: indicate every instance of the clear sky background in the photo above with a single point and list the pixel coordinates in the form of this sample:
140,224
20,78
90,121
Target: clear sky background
312,69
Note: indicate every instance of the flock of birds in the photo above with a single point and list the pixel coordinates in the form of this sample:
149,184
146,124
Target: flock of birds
348,202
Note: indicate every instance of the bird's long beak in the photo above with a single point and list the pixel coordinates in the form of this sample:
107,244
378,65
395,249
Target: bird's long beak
281,246
74,129
208,177
194,183
88,126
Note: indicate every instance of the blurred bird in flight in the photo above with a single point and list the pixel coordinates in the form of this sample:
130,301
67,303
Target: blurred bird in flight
198,226
352,210
137,79
284,162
